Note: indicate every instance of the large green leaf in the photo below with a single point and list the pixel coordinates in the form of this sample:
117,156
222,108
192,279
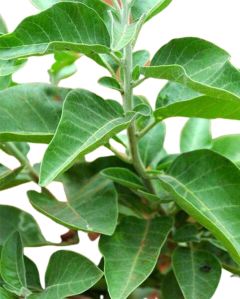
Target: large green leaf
40,107
196,134
12,266
198,273
87,122
68,274
132,252
149,8
65,26
228,146
206,185
203,67
94,208
151,145
13,219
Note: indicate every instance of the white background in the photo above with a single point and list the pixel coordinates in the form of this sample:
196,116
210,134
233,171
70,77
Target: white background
214,20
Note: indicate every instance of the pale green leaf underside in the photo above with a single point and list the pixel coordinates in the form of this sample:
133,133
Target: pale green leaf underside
65,26
198,273
8,67
206,185
131,253
196,134
94,208
13,219
40,108
87,122
68,274
203,67
3,27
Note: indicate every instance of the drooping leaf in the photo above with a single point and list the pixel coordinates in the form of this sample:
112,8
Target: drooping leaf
149,8
13,219
151,145
196,134
202,276
94,208
40,107
110,83
68,274
12,266
203,67
228,146
87,122
170,287
8,176
4,294
206,185
131,253
65,26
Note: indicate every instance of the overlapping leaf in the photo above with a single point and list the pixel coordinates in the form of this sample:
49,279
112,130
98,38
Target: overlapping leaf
131,253
8,67
202,276
65,26
40,107
92,208
206,185
86,123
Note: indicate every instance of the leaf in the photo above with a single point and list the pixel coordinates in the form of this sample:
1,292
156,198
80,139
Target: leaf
87,122
131,253
203,67
32,275
228,146
40,106
150,8
170,287
93,209
12,266
7,176
3,27
68,274
140,58
13,219
110,83
202,276
206,186
8,67
4,294
186,233
151,145
196,134
65,26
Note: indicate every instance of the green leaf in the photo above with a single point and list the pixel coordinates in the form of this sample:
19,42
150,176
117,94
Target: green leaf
8,67
12,266
151,145
7,176
131,253
40,106
44,4
65,26
202,276
32,275
186,233
148,8
200,179
170,287
228,146
196,134
87,122
110,83
93,209
13,219
140,58
68,274
203,67
3,27
4,294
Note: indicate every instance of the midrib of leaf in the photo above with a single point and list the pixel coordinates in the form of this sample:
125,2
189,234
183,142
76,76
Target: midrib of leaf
188,191
140,250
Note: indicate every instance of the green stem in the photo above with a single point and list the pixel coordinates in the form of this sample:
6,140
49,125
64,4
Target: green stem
119,154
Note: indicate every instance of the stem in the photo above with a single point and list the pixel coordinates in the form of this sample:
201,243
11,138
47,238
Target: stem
146,129
119,154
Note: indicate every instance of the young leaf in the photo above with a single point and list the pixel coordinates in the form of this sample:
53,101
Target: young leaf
198,273
65,26
93,209
13,219
228,146
132,252
68,274
140,58
198,180
110,83
151,145
12,266
87,122
4,294
196,134
148,8
40,107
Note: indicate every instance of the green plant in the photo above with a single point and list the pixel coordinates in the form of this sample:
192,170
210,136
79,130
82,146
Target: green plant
167,223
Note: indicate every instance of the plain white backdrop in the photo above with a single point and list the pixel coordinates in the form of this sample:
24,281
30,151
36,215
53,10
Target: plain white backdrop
215,20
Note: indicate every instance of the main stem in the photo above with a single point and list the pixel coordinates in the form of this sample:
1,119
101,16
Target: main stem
128,105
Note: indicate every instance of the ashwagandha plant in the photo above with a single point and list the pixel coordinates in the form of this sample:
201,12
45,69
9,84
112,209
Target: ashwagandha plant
166,224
